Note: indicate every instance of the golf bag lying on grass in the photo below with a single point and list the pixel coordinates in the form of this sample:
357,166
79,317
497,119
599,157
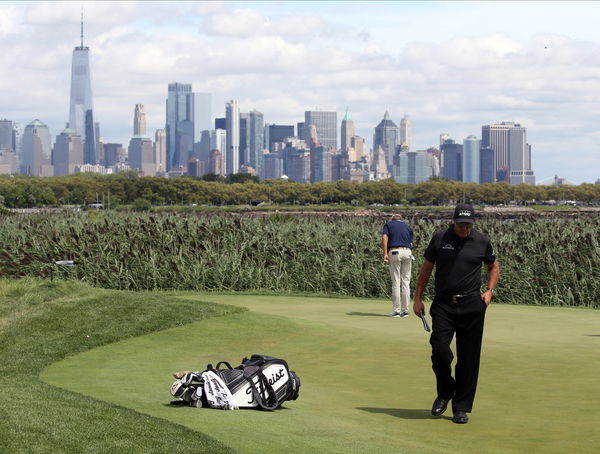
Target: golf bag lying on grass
260,382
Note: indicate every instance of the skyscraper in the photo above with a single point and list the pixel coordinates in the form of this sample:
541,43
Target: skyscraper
347,131
81,109
160,150
231,157
180,124
279,133
68,152
386,137
141,154
405,132
114,153
326,124
244,138
257,140
452,160
412,167
6,135
36,158
512,152
471,159
139,121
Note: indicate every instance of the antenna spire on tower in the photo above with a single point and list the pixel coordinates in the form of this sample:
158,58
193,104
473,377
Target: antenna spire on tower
82,27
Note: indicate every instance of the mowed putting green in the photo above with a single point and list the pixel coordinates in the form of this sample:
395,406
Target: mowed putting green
367,385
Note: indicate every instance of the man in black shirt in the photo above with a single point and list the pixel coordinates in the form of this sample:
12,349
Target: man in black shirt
458,307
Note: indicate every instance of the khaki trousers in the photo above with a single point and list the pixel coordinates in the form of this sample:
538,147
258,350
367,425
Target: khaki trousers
400,268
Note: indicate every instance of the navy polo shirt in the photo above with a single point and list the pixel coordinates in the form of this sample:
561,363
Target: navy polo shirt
458,261
399,234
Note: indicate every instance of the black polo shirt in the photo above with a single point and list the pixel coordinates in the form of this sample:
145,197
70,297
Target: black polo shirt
458,262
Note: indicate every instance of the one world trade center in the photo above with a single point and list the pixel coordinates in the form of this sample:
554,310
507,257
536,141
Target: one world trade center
81,112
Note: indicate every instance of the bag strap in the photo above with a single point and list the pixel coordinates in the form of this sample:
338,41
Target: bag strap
265,396
223,362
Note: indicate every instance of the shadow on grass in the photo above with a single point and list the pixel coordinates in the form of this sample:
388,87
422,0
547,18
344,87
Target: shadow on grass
366,314
404,413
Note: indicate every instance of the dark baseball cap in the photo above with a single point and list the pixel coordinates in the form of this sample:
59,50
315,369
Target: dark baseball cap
464,212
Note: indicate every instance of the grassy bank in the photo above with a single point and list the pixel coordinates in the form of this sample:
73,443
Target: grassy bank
43,322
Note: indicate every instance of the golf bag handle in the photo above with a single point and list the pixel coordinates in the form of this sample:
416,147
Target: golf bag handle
268,403
223,362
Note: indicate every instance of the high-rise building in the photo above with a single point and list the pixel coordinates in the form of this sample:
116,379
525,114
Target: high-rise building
379,167
6,135
67,153
141,155
8,155
231,158
194,167
215,163
37,150
347,132
471,159
358,145
326,124
218,140
512,153
412,167
141,152
244,138
405,132
220,123
160,150
256,141
386,137
202,147
320,163
487,174
8,162
114,153
272,166
139,121
180,124
452,160
18,131
278,134
81,108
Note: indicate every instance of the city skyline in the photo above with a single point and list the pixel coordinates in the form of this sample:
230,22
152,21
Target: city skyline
285,58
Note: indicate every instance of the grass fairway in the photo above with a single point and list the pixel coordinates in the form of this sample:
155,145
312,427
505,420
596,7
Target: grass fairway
42,322
367,384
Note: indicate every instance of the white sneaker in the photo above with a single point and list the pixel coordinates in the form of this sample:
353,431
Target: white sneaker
404,314
395,314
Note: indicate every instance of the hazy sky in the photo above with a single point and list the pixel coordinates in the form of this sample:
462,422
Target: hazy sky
450,66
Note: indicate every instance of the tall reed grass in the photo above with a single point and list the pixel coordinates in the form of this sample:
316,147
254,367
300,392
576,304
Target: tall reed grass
544,260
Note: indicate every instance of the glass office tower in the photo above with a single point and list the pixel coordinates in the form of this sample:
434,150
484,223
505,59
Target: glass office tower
81,108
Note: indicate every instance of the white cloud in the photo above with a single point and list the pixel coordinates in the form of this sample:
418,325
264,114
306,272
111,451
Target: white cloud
283,60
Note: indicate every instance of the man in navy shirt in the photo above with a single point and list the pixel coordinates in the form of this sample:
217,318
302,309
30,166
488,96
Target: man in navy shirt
397,243
458,307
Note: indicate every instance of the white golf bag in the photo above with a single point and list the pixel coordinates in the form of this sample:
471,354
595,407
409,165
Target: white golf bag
261,382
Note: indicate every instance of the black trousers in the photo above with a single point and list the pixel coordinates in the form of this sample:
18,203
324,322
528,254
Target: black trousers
465,318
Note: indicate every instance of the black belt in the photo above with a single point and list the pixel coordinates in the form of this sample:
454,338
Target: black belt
458,297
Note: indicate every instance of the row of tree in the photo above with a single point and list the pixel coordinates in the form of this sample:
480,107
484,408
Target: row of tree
127,187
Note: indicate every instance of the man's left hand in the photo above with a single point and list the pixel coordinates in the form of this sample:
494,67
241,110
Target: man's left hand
487,297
